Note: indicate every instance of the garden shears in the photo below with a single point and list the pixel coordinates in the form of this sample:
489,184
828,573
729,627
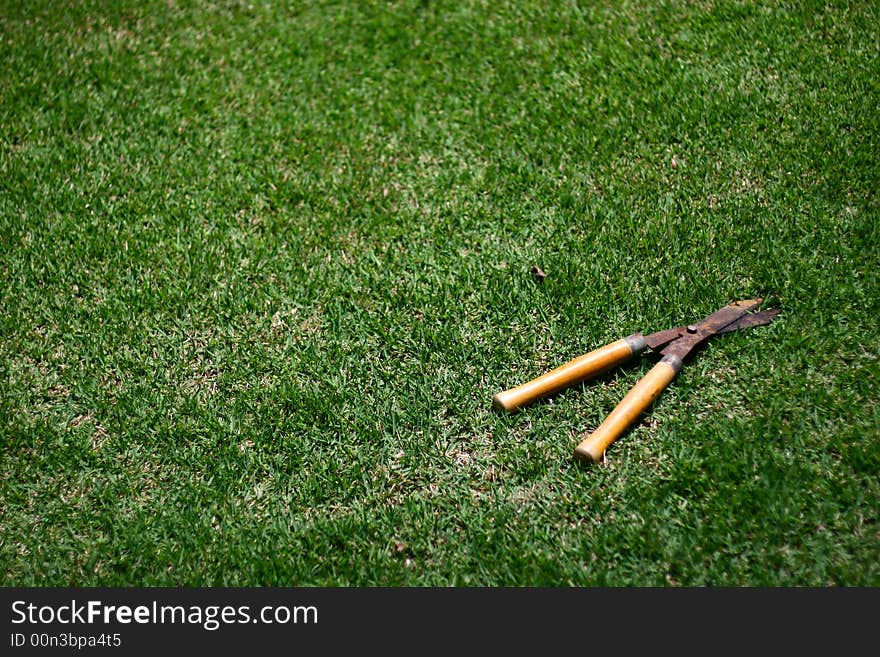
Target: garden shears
673,344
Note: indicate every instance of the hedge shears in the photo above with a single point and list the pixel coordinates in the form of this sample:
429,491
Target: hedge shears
674,345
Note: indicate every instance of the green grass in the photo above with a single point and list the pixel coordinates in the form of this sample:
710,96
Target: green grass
263,266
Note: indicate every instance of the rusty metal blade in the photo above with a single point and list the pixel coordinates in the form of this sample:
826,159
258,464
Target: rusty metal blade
752,319
718,320
662,338
716,323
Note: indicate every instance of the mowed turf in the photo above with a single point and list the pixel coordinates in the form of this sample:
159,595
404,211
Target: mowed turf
263,266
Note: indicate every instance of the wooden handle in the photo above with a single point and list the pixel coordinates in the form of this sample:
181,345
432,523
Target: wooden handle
574,371
637,400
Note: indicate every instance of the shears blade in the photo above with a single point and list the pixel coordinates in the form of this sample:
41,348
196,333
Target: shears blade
681,340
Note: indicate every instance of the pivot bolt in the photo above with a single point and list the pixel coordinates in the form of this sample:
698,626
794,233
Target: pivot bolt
691,328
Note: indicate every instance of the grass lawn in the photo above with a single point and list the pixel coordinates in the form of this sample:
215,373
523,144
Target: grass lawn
264,264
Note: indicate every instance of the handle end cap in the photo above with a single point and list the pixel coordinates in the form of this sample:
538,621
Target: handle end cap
501,402
585,455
